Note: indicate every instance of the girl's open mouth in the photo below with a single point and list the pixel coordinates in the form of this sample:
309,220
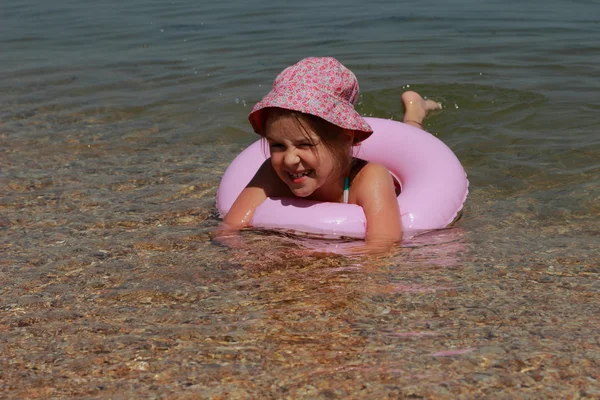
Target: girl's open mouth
300,177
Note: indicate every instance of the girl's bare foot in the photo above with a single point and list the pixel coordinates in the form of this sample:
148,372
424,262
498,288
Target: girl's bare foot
416,108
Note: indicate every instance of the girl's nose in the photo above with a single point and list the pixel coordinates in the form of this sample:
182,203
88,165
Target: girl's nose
291,158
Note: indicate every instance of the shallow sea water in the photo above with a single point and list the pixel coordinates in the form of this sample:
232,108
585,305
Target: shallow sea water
118,120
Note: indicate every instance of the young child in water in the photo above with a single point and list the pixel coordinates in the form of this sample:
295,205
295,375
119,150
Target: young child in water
310,124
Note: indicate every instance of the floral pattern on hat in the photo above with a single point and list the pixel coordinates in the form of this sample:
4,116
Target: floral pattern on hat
320,86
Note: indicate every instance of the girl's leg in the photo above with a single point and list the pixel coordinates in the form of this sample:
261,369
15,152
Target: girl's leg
416,108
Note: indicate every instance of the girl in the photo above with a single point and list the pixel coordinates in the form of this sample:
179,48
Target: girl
310,124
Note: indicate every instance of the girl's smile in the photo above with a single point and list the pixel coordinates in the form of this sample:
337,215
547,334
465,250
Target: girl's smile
300,177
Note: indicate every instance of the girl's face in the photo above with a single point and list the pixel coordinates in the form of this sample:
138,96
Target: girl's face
301,159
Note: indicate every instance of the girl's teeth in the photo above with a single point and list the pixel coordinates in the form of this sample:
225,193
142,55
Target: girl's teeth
296,176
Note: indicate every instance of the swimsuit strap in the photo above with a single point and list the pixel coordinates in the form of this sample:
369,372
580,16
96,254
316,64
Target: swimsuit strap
346,189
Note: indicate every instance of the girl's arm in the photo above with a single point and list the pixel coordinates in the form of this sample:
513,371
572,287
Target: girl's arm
241,212
375,193
260,187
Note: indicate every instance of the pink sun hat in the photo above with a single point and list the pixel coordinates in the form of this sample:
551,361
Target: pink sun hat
320,86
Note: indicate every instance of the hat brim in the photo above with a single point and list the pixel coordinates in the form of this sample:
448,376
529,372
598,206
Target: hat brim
314,102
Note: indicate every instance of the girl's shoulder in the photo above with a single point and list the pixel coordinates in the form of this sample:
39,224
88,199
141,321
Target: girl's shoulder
363,171
266,178
367,178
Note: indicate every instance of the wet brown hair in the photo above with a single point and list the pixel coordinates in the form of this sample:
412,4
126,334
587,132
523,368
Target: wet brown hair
333,137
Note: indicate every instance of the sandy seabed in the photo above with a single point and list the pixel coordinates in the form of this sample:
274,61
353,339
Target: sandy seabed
111,287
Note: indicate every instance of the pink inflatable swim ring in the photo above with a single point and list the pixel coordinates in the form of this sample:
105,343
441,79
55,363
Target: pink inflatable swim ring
434,186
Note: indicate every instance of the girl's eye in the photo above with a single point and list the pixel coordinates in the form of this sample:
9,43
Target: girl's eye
275,146
305,145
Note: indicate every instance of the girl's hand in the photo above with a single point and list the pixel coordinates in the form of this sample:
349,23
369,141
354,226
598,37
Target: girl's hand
227,236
